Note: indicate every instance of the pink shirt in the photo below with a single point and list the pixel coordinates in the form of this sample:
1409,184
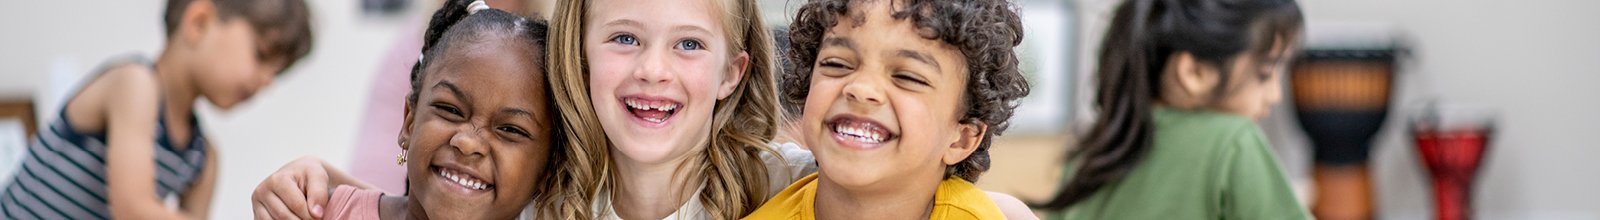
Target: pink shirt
348,202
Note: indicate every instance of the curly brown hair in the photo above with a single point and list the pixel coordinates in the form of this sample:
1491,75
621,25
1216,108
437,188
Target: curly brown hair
985,31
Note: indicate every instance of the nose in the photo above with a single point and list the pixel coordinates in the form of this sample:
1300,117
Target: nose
864,90
469,140
652,67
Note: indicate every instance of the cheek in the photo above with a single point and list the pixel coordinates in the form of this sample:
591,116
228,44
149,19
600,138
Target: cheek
921,124
1247,100
819,98
521,169
606,72
702,75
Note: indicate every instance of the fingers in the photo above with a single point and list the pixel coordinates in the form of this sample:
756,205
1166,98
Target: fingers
277,210
316,191
260,211
291,197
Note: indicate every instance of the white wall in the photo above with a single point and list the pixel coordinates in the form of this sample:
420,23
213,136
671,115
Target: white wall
311,110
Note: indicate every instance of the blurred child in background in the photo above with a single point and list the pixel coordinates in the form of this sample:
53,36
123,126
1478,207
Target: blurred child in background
1180,82
129,138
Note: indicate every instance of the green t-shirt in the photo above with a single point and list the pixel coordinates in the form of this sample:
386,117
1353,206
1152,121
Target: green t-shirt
1201,165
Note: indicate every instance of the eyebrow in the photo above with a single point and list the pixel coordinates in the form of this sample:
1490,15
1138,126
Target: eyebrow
446,85
921,57
513,111
691,28
523,113
839,42
624,22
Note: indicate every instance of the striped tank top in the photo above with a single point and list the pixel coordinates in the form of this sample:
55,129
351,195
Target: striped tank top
63,174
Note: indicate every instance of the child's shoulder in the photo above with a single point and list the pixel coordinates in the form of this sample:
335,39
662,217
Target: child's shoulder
349,202
123,87
1230,133
1202,123
957,198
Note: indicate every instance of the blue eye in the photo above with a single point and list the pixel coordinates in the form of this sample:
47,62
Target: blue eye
625,39
690,45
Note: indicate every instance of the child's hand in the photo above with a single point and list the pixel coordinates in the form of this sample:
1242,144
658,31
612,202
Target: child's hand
298,190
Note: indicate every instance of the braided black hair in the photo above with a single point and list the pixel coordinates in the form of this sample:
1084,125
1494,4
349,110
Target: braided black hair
453,23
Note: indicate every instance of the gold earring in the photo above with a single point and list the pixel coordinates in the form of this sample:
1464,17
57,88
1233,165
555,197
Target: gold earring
400,159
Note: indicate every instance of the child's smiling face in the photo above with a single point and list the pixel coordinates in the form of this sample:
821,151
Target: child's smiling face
656,72
885,102
479,132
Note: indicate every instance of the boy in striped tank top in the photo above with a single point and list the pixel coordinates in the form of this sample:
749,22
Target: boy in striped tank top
128,138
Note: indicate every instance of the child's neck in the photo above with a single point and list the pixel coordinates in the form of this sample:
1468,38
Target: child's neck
178,94
910,199
652,191
398,208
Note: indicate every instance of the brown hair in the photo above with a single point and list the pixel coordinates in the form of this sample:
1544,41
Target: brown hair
985,31
742,124
285,25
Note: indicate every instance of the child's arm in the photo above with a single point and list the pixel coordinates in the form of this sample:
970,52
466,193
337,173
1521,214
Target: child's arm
131,104
1255,187
1012,207
296,187
196,203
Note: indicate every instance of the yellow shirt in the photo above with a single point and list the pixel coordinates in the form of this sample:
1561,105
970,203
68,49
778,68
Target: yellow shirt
955,199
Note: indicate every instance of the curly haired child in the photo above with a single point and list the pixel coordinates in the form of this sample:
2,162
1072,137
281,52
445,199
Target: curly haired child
901,100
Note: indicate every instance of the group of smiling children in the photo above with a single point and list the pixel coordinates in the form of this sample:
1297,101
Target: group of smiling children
621,109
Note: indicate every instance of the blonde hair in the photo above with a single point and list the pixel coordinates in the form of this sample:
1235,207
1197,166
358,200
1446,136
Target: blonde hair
742,124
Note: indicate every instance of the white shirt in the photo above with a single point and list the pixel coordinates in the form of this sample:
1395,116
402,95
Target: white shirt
795,163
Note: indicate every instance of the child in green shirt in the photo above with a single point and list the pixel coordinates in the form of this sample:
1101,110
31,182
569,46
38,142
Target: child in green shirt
1180,82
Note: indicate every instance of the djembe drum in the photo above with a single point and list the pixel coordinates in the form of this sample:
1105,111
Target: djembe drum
1341,98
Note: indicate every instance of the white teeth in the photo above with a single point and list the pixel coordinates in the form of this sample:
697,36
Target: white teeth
464,181
859,134
644,106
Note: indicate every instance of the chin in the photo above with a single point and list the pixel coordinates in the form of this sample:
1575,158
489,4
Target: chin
851,173
647,153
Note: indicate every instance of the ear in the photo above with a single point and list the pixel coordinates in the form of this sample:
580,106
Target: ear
1192,77
405,128
971,137
736,71
198,18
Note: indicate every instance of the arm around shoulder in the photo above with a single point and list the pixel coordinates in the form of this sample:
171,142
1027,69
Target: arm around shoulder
1012,207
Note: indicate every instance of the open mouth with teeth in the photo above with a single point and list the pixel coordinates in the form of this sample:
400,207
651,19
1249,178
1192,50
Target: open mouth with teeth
463,179
860,132
651,110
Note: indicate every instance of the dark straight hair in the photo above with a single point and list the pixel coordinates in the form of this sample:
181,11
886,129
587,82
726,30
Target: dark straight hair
1142,35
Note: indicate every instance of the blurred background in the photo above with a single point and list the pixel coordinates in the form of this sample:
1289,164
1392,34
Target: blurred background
1533,63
